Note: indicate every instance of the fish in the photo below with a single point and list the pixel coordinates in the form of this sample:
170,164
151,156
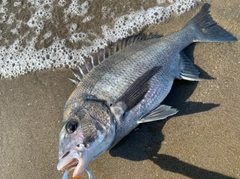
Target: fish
126,87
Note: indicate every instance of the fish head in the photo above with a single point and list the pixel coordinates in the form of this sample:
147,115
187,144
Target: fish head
88,131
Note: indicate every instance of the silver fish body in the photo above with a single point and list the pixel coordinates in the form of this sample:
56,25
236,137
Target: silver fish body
127,89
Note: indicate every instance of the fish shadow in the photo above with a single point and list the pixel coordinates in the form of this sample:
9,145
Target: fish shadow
145,141
173,164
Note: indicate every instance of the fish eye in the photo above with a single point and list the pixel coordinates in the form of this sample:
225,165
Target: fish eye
71,126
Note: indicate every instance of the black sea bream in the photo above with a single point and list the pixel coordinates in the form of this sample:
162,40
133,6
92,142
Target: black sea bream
128,88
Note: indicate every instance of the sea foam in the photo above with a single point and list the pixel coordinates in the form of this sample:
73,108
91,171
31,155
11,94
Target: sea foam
44,34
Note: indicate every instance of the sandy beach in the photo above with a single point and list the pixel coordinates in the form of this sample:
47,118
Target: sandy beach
202,141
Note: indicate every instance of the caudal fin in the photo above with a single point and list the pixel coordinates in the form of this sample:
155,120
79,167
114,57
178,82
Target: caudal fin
206,29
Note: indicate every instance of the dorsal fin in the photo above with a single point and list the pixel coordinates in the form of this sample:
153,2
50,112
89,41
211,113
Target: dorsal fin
96,58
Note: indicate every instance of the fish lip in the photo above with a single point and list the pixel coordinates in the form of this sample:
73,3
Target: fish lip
71,158
67,163
70,165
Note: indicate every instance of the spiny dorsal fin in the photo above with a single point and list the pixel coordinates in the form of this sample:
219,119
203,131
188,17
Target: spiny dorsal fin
96,58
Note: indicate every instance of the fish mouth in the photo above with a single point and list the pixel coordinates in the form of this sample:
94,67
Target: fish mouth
73,159
70,165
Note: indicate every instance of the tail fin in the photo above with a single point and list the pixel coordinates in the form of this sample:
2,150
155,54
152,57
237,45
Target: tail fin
206,29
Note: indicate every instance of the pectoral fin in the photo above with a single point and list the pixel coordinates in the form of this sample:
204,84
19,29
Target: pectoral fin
161,112
135,93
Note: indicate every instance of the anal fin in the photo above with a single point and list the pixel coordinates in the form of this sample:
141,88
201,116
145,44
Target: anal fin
188,70
160,113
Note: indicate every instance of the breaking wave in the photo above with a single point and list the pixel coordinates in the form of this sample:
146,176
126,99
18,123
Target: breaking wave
44,34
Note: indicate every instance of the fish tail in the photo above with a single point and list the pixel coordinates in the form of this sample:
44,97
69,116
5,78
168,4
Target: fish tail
206,29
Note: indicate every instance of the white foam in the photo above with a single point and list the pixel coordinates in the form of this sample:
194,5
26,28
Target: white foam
78,37
160,1
61,2
18,59
47,35
76,8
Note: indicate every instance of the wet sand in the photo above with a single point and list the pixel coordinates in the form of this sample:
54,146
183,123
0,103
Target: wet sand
201,141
